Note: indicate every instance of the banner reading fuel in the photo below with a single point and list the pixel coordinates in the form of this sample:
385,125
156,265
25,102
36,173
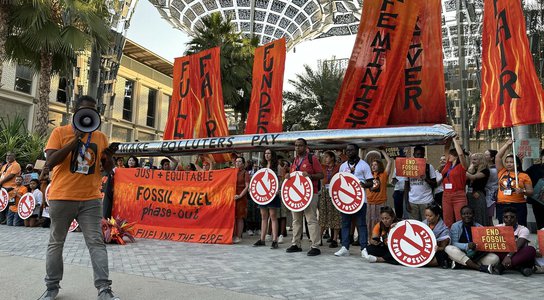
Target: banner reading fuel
195,207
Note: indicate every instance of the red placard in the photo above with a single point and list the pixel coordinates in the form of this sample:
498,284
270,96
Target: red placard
494,239
410,167
263,186
26,206
540,234
4,199
412,243
347,194
297,192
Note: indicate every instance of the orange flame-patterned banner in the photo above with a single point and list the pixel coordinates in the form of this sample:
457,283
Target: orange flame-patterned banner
421,96
511,91
265,109
180,123
376,64
195,207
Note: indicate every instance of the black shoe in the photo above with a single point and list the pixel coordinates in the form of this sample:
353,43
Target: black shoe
274,245
329,240
527,272
446,264
259,243
486,269
326,236
293,248
498,269
314,252
334,244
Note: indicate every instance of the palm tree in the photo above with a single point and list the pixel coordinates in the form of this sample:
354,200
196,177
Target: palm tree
236,60
314,96
5,7
49,35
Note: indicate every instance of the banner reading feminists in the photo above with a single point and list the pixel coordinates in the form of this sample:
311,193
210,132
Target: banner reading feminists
195,207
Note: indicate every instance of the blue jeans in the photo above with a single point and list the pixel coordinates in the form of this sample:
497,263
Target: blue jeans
360,222
13,219
521,209
89,215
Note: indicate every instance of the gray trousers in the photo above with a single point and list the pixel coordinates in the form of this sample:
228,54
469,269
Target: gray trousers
88,214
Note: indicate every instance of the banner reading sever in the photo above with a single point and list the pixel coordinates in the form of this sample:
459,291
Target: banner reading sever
376,64
421,98
193,207
265,110
180,121
511,91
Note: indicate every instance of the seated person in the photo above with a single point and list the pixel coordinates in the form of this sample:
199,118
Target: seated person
462,251
522,260
441,233
377,250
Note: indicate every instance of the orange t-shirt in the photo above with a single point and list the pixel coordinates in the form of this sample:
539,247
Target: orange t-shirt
507,180
10,168
21,190
66,185
379,197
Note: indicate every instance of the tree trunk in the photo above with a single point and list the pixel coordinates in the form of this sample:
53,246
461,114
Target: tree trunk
3,36
44,88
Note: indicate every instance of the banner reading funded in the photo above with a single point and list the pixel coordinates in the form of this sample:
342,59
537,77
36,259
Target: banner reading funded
180,121
376,64
494,239
410,167
265,109
195,207
511,91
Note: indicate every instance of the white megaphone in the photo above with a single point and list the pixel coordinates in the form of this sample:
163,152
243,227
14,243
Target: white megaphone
86,120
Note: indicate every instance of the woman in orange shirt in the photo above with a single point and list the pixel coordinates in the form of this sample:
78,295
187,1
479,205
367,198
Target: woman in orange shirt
15,195
512,190
377,195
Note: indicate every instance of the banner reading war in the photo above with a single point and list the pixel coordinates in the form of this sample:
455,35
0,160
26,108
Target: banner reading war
196,207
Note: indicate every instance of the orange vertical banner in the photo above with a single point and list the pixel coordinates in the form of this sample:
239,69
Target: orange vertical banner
376,64
421,96
511,91
179,123
208,108
265,109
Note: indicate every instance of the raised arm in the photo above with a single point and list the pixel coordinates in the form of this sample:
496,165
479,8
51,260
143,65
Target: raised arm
501,153
460,153
389,162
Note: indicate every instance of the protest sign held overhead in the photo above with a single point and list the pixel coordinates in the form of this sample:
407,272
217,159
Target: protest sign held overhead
410,167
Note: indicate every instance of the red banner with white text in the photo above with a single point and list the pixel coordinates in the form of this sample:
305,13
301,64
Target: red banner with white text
376,64
421,98
265,109
180,123
511,91
195,207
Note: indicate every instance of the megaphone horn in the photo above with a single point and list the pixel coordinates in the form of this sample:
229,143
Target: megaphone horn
86,120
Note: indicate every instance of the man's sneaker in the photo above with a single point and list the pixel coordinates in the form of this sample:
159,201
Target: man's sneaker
236,240
364,254
342,252
250,232
259,243
280,239
334,244
274,245
527,272
293,248
268,238
314,252
372,259
486,269
49,294
106,294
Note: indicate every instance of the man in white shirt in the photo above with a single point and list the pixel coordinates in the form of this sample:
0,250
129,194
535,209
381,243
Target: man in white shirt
419,191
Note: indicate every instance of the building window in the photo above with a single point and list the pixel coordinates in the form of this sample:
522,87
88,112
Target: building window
151,107
127,101
23,79
61,91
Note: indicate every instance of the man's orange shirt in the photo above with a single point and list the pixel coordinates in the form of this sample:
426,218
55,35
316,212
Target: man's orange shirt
21,190
10,168
66,185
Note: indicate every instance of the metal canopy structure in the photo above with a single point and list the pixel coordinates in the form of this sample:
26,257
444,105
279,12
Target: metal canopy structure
296,20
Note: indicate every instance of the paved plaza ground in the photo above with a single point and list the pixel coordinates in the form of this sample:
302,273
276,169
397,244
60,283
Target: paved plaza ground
153,269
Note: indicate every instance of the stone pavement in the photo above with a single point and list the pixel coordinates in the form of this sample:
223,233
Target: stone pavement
243,272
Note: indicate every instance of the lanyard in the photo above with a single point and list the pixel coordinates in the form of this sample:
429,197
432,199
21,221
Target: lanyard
451,168
299,164
85,147
352,168
508,181
466,234
329,174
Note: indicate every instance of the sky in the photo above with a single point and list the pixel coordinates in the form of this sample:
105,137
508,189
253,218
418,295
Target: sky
151,31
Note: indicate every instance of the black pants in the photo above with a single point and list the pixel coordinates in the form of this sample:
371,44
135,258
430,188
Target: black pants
381,251
538,210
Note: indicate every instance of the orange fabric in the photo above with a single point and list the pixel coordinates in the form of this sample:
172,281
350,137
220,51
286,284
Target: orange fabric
21,190
494,238
66,185
540,234
420,97
183,206
511,90
180,118
505,177
376,65
379,197
10,168
265,109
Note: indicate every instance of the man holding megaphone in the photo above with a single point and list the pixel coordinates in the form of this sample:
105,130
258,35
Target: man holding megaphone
75,153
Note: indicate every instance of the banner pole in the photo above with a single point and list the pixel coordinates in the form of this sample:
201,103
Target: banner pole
514,152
